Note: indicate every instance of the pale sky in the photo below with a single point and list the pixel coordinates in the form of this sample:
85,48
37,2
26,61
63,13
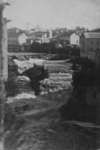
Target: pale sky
54,13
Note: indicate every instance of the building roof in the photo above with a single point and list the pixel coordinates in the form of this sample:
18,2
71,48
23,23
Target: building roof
93,35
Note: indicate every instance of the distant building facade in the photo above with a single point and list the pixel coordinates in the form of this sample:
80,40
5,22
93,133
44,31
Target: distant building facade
40,36
90,45
16,37
22,38
75,39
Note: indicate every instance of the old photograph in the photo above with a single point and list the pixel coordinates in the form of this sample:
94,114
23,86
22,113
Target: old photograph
49,74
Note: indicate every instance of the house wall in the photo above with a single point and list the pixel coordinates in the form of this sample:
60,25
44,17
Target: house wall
90,47
22,39
83,52
75,39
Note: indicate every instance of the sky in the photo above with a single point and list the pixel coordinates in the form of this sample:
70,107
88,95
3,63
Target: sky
53,13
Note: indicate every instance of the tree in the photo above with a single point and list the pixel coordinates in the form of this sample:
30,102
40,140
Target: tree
3,66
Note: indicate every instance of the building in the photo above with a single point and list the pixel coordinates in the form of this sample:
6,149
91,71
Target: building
16,37
40,36
90,45
75,39
47,36
13,36
22,38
